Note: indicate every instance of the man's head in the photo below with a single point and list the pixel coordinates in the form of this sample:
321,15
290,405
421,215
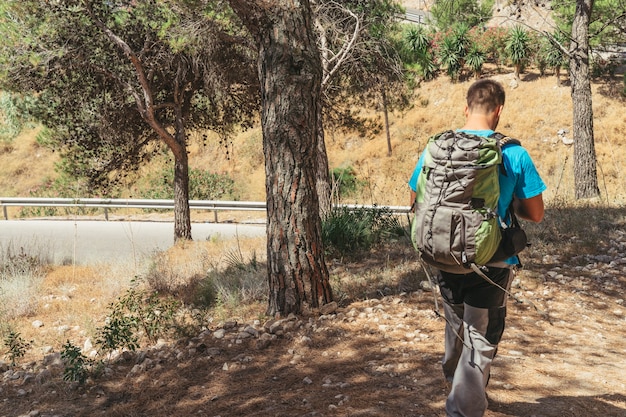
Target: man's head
485,100
484,96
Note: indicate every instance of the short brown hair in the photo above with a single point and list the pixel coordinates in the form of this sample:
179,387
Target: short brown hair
485,94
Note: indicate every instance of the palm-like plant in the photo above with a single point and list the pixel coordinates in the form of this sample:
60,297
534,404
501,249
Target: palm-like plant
475,59
553,53
453,51
419,45
518,49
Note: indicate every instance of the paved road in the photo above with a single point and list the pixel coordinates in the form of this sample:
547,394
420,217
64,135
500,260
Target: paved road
90,241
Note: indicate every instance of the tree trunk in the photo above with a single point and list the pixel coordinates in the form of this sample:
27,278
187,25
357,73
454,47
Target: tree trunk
386,115
290,74
585,174
324,191
557,73
182,215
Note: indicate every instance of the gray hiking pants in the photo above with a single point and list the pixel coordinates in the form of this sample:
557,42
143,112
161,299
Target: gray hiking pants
475,313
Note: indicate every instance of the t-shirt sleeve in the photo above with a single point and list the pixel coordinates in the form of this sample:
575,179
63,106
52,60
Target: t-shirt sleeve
416,172
529,182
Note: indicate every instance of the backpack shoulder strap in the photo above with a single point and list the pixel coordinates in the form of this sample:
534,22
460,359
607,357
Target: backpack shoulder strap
505,140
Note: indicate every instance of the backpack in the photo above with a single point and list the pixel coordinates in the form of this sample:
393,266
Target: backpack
456,225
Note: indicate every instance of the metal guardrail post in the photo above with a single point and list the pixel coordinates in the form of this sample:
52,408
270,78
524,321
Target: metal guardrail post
6,215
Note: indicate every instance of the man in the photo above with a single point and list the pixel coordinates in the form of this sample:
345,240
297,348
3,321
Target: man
475,308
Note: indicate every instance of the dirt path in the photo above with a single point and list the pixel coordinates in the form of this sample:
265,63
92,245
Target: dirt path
378,357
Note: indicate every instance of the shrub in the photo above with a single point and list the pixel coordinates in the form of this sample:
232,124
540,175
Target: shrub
77,365
347,231
16,346
137,311
20,277
241,282
203,185
344,182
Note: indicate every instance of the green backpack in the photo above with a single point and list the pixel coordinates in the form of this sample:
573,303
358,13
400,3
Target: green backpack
456,223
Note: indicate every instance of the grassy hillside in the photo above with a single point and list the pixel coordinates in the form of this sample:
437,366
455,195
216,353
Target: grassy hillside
536,109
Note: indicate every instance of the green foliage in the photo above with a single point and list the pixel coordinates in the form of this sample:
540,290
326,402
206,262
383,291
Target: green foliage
88,90
77,365
418,50
16,346
372,63
492,41
447,13
350,230
475,59
603,68
344,182
203,185
117,333
550,52
518,45
10,121
604,27
518,48
66,186
453,50
137,310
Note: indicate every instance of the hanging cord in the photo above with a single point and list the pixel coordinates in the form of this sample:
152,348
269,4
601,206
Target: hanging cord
435,290
519,300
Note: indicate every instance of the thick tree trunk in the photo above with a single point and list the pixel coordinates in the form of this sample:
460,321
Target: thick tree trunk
290,74
182,215
585,169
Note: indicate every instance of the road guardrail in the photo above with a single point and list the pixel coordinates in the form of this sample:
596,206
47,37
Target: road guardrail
109,203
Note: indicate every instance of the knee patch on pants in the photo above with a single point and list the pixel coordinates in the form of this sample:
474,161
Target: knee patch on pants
495,327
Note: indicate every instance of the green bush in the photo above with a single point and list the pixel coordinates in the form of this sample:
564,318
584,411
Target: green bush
351,230
203,185
137,311
16,346
344,182
63,186
77,365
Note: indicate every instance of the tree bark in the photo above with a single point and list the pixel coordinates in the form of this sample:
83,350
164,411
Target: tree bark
585,169
182,215
290,75
386,116
324,189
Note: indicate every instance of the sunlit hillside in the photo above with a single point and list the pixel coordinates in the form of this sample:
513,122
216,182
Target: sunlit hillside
535,111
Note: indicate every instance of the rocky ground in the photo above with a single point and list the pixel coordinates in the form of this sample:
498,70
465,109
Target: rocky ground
562,355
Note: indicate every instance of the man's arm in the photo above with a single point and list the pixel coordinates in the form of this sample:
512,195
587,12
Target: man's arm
529,208
413,195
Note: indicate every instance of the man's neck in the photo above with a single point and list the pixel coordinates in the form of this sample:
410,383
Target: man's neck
478,122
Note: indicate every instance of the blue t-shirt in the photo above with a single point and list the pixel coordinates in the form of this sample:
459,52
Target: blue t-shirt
521,180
